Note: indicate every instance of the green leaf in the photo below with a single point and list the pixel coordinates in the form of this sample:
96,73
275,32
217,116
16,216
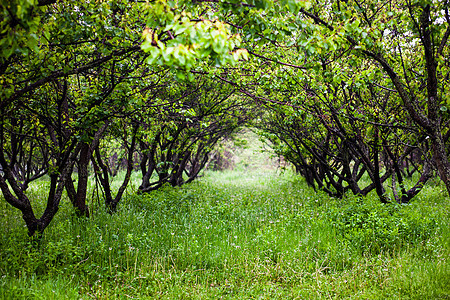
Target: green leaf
181,75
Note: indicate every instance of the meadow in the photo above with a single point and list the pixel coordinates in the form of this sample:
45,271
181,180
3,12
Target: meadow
242,234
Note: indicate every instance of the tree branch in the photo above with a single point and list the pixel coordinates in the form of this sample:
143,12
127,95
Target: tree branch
59,74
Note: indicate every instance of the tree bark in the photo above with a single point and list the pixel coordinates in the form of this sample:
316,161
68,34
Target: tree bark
440,158
80,200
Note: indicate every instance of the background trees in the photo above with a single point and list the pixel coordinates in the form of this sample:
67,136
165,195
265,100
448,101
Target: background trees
339,138
407,41
344,90
73,73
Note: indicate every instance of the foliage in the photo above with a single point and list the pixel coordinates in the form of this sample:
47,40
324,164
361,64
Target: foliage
19,28
374,228
190,40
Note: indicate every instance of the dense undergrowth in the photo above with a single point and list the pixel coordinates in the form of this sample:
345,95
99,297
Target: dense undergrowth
233,235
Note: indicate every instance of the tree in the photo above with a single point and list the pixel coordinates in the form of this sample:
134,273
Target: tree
56,85
69,68
176,144
339,133
408,42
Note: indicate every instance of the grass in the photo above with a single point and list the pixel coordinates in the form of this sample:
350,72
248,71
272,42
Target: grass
233,235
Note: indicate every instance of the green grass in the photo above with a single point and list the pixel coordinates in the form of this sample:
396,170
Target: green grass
233,235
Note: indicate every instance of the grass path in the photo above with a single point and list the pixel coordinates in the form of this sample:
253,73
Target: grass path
234,235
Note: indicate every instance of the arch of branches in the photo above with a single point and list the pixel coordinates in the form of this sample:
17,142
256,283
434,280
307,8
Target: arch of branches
354,95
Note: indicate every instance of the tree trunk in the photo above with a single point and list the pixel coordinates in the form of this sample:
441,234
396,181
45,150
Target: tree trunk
440,158
80,200
22,202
